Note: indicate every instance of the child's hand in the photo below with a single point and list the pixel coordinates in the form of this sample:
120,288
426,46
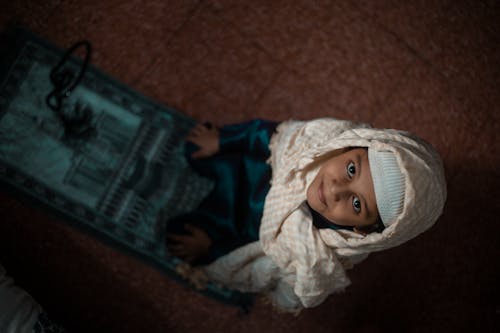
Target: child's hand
207,138
189,247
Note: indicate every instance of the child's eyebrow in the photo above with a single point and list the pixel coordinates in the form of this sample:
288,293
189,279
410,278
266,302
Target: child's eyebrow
358,161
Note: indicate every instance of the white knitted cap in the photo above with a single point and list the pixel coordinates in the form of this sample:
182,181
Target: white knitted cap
389,184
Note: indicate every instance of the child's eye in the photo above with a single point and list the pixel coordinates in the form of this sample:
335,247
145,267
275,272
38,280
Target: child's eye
356,204
351,169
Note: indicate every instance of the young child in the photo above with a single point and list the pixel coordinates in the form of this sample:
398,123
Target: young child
339,190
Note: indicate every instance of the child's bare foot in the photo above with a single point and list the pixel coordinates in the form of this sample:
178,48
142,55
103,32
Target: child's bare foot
189,247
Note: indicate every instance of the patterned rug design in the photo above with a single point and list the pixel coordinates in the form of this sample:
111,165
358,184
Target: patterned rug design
124,180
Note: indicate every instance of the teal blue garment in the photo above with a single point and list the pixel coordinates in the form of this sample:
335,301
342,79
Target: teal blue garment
231,214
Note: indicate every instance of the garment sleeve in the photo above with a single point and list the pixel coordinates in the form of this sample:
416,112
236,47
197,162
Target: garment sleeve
248,269
251,137
283,298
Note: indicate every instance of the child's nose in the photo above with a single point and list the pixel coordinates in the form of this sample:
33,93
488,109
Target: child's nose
337,190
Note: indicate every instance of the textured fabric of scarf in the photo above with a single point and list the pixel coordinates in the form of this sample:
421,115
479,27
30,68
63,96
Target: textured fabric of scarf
313,261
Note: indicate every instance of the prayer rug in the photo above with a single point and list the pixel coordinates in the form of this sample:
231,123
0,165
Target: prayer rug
110,160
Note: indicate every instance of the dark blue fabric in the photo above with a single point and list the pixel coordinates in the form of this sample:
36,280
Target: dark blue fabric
231,214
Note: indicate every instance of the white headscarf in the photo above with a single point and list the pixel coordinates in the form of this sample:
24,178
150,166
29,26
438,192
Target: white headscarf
312,260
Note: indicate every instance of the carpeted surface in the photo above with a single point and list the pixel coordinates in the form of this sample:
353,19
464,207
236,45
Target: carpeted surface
430,67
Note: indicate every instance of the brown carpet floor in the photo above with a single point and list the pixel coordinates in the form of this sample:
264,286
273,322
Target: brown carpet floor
428,66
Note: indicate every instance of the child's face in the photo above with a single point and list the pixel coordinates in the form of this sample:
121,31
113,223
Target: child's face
343,190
